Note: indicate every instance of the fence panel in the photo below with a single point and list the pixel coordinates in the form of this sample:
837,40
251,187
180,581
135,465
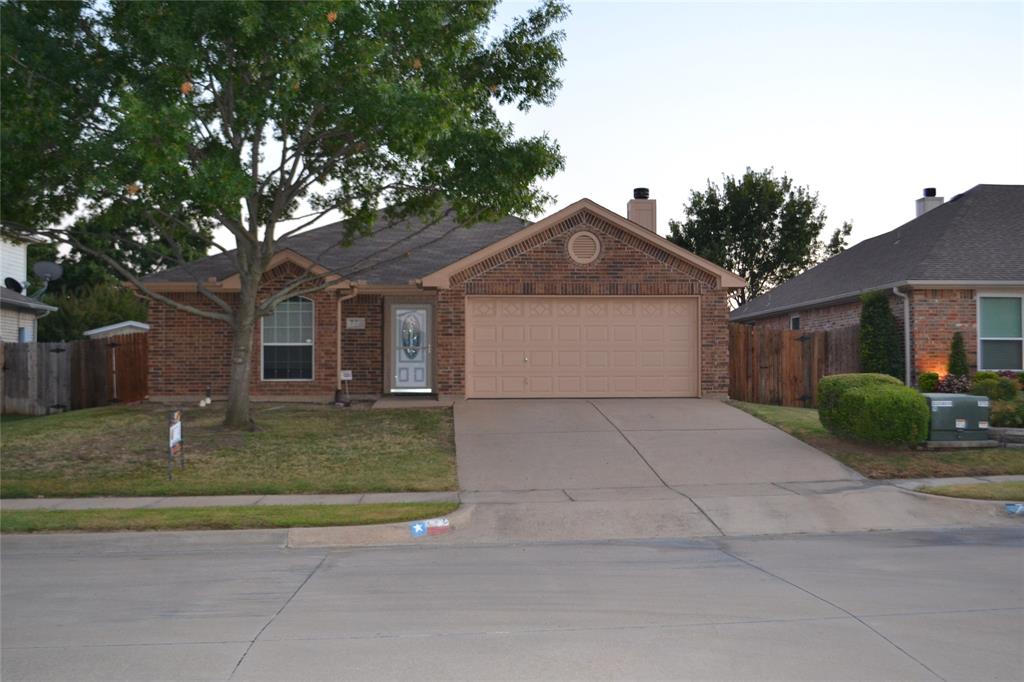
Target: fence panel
782,367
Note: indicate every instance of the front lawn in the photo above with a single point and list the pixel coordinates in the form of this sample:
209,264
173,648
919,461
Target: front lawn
887,462
122,450
1010,491
218,518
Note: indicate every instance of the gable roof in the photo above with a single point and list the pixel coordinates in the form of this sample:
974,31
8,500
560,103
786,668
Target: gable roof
976,237
12,299
413,252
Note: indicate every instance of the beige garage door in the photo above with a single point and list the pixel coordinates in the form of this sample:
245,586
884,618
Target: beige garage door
568,346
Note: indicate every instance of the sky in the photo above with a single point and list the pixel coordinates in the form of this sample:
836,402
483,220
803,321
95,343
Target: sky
864,103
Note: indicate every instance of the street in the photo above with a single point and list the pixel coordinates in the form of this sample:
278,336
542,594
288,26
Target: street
239,605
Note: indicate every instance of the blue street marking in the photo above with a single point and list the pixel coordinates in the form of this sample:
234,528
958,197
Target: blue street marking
418,529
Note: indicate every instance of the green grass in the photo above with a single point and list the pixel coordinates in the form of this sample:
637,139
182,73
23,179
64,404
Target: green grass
887,462
1010,491
218,518
122,450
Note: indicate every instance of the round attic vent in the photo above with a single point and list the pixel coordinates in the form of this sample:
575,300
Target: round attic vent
584,247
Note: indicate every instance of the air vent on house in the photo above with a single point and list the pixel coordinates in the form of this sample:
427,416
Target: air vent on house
584,247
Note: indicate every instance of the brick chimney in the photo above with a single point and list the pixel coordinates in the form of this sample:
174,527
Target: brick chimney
642,209
928,201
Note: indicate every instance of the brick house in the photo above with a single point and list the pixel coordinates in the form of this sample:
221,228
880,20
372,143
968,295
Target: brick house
957,267
583,303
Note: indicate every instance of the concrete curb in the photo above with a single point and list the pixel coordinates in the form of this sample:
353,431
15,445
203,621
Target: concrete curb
373,535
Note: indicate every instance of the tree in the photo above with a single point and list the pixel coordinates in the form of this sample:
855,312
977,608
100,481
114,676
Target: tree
880,343
87,308
957,365
263,117
761,227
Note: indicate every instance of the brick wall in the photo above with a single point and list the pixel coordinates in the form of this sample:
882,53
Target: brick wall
819,319
936,314
362,350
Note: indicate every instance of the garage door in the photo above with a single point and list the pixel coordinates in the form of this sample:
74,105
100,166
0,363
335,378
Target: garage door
570,347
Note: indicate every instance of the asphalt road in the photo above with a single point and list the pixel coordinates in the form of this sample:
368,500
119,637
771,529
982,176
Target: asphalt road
237,605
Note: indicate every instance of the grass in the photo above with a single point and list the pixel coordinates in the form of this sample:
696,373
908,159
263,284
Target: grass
887,462
1009,491
122,450
218,518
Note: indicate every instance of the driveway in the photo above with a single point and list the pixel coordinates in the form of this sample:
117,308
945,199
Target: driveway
583,446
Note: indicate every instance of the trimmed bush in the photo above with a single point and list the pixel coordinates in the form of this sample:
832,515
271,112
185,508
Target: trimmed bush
880,342
1009,414
999,388
831,389
882,414
978,376
1016,376
958,356
928,382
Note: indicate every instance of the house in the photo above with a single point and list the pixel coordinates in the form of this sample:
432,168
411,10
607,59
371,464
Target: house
957,267
117,329
18,313
581,303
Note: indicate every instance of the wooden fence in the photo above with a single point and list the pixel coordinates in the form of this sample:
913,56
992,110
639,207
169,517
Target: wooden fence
42,378
781,367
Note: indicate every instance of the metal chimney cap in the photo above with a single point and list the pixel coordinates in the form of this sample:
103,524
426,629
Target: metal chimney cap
929,191
641,193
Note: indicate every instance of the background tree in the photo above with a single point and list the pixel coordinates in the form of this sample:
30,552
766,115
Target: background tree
761,227
87,308
261,118
881,348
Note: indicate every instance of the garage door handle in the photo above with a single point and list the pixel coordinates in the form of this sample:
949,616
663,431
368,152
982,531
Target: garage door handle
525,358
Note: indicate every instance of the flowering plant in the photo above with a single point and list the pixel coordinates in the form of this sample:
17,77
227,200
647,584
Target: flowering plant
952,383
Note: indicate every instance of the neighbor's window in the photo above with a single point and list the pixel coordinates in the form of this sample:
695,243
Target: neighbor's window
1000,332
288,340
794,322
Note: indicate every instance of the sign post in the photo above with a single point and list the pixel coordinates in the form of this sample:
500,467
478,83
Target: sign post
175,443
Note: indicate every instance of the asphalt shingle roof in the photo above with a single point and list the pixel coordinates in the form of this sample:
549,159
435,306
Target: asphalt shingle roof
390,255
976,236
12,299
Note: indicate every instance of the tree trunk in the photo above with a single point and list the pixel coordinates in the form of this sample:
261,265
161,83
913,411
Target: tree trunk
238,415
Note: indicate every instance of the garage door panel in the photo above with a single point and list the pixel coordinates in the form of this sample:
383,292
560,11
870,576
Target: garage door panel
549,346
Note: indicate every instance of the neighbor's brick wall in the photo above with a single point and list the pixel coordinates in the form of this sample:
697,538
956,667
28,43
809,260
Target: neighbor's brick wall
819,319
541,266
936,314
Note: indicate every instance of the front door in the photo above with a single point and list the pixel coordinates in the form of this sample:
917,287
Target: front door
411,349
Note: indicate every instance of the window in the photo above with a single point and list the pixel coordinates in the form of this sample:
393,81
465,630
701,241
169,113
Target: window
1000,332
794,322
288,341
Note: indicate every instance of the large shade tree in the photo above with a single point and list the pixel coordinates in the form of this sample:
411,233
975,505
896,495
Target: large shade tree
762,227
261,118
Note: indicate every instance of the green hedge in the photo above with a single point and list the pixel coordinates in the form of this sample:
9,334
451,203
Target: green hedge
928,382
872,407
997,388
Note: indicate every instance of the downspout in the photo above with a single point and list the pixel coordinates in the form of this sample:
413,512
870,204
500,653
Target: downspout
337,345
906,333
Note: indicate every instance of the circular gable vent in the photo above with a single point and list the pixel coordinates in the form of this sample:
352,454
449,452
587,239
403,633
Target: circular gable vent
584,247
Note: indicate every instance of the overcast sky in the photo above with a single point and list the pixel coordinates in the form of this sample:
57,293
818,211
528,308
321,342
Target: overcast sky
865,103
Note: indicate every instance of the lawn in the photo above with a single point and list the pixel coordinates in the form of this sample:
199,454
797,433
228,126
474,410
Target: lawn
1010,491
122,450
218,518
887,462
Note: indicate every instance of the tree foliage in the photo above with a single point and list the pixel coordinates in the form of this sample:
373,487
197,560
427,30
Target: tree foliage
881,348
762,227
87,308
260,118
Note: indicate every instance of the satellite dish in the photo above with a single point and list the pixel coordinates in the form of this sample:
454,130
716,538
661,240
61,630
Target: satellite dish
47,271
13,284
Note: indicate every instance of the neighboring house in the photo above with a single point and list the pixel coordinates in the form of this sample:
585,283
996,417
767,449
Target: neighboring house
18,312
117,329
582,303
957,267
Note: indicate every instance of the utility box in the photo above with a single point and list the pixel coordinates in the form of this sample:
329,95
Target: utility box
957,417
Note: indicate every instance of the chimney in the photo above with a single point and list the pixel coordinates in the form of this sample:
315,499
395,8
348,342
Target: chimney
643,210
928,201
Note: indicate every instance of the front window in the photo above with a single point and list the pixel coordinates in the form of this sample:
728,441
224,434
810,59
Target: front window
288,341
1000,332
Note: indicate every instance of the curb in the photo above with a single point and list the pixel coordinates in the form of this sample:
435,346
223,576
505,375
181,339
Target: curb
372,535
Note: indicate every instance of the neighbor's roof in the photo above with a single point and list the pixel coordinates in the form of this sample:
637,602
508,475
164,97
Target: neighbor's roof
12,299
976,237
117,326
389,255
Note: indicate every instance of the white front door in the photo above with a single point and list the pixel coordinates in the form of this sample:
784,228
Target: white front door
411,347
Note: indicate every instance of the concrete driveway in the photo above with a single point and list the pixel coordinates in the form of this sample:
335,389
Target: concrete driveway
583,446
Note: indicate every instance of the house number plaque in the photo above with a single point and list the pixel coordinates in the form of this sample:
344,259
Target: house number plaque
355,323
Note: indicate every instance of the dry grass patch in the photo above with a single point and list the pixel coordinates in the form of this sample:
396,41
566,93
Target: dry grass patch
1008,491
295,449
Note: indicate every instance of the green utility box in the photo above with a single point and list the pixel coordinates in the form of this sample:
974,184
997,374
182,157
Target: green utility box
957,417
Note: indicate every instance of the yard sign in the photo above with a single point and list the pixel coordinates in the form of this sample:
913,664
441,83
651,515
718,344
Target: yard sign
176,445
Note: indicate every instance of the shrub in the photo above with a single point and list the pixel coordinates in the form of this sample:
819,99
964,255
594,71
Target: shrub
831,389
1016,376
881,413
978,376
1007,413
958,356
999,388
880,343
953,384
928,382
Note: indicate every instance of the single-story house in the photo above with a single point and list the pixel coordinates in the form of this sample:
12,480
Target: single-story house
957,267
19,314
582,303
